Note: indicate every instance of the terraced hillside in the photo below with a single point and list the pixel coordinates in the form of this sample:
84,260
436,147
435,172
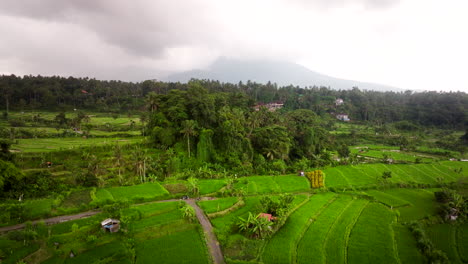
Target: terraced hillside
370,175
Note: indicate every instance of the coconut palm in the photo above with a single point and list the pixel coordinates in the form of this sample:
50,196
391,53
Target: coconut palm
189,129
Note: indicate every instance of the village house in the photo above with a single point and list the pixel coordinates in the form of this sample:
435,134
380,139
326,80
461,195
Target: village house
343,117
273,106
339,102
111,225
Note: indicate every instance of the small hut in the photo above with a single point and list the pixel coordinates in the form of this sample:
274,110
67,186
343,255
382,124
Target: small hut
268,217
111,225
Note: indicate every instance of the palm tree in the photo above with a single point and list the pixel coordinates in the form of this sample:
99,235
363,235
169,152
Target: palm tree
188,212
189,130
152,101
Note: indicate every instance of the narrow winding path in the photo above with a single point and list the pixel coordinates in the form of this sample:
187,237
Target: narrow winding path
211,242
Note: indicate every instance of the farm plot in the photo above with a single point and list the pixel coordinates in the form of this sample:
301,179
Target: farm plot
37,208
311,247
179,247
371,239
422,203
146,191
217,205
272,184
462,242
346,176
388,199
13,251
54,144
282,245
407,247
393,154
156,220
443,236
112,252
151,209
77,198
371,174
224,223
66,227
210,186
338,236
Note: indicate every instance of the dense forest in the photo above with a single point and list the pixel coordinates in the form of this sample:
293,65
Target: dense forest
433,109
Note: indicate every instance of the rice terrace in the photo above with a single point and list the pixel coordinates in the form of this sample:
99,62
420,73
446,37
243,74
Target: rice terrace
233,132
166,180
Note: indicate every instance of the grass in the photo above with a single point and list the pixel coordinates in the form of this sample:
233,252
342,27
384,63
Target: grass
180,247
338,236
393,154
54,144
144,191
387,199
406,244
210,185
37,208
272,184
311,247
77,198
14,251
150,209
156,220
217,205
462,242
224,223
371,239
443,236
371,174
422,203
66,227
107,253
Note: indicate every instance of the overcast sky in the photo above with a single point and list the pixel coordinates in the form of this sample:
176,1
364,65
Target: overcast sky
411,44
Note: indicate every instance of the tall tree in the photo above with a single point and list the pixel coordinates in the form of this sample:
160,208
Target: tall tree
189,129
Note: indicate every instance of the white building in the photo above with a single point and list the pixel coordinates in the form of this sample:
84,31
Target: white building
343,117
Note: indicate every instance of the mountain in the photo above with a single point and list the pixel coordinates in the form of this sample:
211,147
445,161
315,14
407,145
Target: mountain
262,71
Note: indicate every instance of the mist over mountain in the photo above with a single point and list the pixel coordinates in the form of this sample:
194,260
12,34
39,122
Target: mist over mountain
280,72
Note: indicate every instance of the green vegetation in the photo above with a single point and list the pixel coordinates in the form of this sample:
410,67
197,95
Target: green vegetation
311,246
217,205
180,247
370,174
387,187
282,246
407,245
142,192
54,144
462,242
375,219
443,236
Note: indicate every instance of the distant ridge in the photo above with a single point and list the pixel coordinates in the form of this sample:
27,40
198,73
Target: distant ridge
262,71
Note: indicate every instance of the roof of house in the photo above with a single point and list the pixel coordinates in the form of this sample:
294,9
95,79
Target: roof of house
265,215
109,221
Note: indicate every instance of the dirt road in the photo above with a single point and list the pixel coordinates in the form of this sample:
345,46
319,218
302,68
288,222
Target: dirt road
212,242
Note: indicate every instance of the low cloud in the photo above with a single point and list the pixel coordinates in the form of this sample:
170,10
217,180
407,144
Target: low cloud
143,39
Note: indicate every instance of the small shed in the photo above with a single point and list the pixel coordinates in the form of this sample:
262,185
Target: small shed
111,225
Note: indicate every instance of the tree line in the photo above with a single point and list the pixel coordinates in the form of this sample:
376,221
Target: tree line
439,109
